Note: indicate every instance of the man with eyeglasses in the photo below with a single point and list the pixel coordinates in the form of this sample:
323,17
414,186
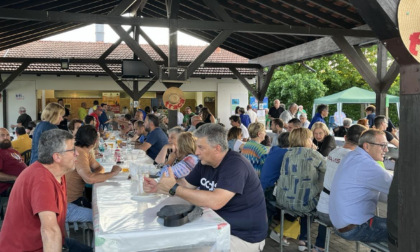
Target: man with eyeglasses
381,123
355,190
36,211
11,163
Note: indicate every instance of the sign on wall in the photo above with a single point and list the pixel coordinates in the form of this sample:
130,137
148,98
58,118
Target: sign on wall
112,99
254,103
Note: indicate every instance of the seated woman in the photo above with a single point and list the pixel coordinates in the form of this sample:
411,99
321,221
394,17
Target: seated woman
322,138
125,125
185,153
300,182
270,174
89,171
234,139
163,123
74,126
166,155
253,150
207,116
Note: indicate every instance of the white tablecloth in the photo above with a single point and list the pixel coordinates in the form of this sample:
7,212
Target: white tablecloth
124,224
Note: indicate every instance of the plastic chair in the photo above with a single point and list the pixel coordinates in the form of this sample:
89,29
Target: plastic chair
294,214
27,156
328,236
5,195
87,230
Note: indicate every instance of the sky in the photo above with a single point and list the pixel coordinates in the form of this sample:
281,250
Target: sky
159,35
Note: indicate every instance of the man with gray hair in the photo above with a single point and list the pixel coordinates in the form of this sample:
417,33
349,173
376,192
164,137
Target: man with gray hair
355,190
289,114
38,199
23,119
194,120
304,120
240,201
341,131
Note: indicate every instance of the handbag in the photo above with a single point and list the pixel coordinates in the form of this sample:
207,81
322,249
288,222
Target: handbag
179,214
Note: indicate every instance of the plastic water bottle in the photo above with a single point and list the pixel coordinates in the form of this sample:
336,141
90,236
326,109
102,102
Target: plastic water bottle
117,155
101,145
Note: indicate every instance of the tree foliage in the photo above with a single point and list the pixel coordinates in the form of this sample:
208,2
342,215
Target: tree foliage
334,73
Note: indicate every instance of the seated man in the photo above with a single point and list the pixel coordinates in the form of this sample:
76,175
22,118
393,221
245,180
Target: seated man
240,201
139,133
11,163
381,123
194,120
88,170
23,142
235,121
341,131
355,190
90,120
293,123
156,138
333,160
36,211
276,128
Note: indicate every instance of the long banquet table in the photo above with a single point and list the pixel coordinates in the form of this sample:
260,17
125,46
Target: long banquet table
126,223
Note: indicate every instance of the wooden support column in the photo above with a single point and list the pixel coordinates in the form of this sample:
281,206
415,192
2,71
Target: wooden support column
172,8
4,98
407,166
382,60
262,89
172,114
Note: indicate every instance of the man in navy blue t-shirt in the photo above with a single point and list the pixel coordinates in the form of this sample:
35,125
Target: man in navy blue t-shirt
156,138
228,184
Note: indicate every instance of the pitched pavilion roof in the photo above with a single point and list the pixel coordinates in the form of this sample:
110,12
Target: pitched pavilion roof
93,50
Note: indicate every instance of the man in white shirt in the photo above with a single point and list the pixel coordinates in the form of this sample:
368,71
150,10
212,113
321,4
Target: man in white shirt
180,118
333,160
235,121
276,128
289,114
355,190
252,115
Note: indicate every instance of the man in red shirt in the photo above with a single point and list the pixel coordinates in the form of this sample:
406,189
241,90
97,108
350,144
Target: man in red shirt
11,163
97,111
36,211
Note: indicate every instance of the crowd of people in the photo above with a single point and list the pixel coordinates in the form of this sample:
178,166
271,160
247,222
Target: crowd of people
242,173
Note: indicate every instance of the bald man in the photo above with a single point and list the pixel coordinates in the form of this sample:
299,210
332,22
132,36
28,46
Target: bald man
276,110
11,163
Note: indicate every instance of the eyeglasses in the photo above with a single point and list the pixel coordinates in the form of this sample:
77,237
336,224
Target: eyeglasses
73,150
383,145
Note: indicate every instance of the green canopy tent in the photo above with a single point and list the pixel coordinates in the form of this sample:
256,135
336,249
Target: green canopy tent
353,95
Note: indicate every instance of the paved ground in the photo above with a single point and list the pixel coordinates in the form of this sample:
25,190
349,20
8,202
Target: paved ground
337,244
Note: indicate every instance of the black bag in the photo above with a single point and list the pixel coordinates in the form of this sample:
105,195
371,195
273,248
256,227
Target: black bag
177,215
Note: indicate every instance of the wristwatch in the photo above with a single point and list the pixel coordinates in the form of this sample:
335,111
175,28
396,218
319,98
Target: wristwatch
172,191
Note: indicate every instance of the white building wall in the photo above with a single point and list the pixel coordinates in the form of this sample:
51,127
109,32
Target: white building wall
19,93
27,85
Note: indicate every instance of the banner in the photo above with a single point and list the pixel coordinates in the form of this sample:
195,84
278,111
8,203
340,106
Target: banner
112,99
254,103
